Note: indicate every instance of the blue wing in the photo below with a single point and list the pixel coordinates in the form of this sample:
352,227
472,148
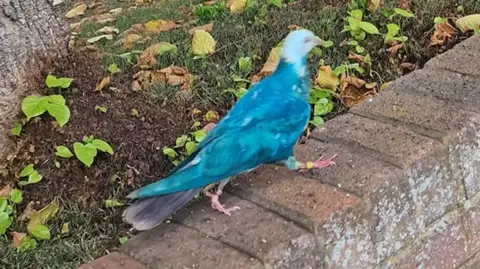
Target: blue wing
262,127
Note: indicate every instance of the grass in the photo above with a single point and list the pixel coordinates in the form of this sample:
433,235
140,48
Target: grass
95,230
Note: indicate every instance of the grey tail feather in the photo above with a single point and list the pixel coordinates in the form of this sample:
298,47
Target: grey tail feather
147,213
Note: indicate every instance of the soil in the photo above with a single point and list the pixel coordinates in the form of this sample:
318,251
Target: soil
137,141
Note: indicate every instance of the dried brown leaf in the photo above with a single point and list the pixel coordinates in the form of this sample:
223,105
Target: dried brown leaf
326,78
105,81
206,28
395,48
443,31
5,191
17,239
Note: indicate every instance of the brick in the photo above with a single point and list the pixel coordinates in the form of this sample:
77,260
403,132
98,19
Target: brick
278,243
397,145
461,90
460,59
358,172
176,246
113,260
304,200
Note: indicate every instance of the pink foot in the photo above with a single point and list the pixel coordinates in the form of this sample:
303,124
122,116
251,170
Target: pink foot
218,206
320,163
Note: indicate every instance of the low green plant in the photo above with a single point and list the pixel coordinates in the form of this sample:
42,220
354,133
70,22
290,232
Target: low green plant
53,82
358,28
185,144
55,105
33,176
207,13
321,99
86,151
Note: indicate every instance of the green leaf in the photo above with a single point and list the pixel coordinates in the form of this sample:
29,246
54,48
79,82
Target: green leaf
180,142
54,82
61,113
103,146
113,69
195,125
245,65
27,170
360,49
63,151
101,109
3,204
369,28
123,239
392,30
356,14
42,216
170,152
113,203
277,3
85,153
199,135
34,105
56,99
134,112
88,139
17,129
317,121
57,164
190,147
353,43
403,12
322,107
40,231
27,243
16,196
317,51
439,20
327,44
33,178
5,222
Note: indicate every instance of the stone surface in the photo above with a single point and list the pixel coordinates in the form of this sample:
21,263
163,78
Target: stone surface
176,246
298,198
278,243
463,59
114,260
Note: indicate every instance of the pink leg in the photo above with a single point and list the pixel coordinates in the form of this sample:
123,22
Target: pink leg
320,163
217,205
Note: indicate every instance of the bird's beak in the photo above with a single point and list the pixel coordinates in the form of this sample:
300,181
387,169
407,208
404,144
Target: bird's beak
317,41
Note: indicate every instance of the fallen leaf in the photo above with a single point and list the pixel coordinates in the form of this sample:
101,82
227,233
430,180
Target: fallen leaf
270,65
354,90
385,85
28,211
57,2
172,75
211,116
17,239
326,78
148,57
409,66
443,31
374,5
395,48
136,86
356,57
65,228
116,11
76,11
5,191
294,27
468,23
129,40
107,30
157,26
42,216
98,38
105,81
237,6
206,28
405,4
203,43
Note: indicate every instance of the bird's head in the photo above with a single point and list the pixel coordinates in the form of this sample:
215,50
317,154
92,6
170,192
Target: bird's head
298,44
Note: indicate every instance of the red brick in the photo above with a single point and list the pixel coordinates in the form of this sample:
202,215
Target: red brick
114,260
172,245
275,241
299,198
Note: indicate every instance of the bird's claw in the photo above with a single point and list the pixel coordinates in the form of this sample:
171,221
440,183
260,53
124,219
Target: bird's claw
218,206
320,163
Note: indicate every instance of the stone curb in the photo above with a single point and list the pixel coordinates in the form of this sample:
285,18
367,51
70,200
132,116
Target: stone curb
405,192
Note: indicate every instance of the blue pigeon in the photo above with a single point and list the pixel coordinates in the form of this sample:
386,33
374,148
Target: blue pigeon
262,128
